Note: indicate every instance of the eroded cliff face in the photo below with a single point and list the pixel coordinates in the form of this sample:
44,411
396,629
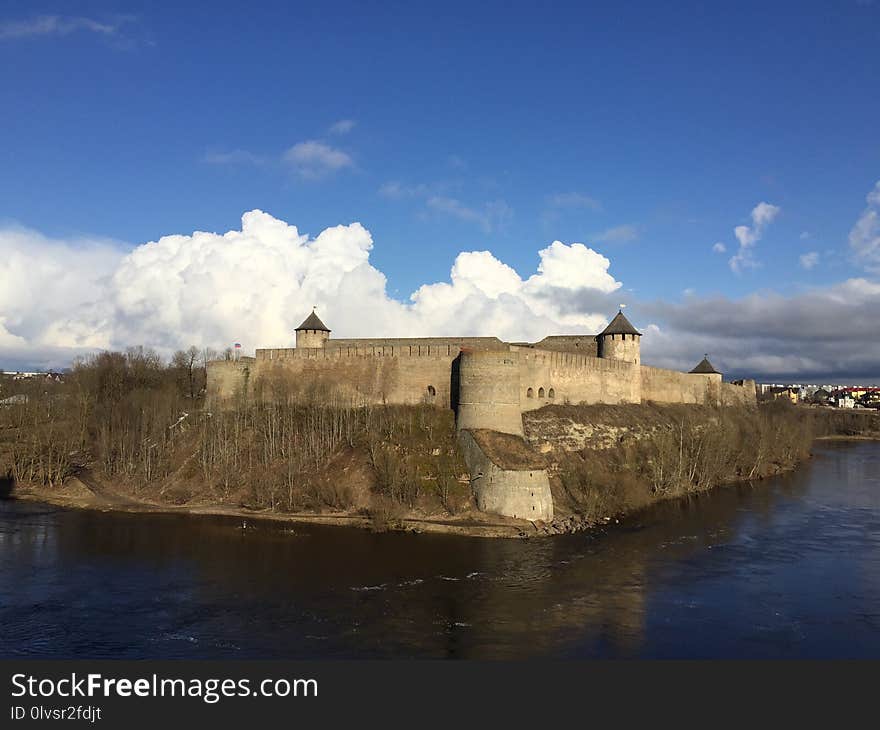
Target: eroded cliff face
573,428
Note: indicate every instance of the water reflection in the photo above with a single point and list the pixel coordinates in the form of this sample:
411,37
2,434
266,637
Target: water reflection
786,568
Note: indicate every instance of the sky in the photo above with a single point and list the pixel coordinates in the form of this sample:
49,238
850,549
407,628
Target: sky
176,174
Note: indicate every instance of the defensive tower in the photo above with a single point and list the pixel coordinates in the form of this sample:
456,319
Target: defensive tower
620,341
704,367
312,332
488,395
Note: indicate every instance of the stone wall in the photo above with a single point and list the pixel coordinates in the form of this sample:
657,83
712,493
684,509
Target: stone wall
489,385
742,393
359,375
415,345
669,386
227,378
520,490
562,377
500,380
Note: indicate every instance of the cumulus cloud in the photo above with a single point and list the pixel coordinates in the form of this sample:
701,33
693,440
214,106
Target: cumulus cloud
719,248
60,298
809,260
50,296
763,215
312,159
343,126
864,238
256,284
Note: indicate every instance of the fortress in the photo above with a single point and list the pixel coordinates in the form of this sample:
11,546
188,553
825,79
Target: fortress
489,384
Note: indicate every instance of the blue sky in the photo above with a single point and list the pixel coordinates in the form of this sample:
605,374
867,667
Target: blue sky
647,131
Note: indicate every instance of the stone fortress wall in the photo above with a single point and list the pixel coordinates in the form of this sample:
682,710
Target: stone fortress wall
441,373
489,383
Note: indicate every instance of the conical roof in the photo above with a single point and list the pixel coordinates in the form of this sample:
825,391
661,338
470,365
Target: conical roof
313,322
705,367
620,325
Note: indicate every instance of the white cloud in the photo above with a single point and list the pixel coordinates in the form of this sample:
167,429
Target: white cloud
59,298
809,260
256,284
313,159
719,248
50,294
864,238
343,126
619,234
763,215
57,25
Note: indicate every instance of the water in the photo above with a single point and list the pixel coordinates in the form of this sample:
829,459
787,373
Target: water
787,568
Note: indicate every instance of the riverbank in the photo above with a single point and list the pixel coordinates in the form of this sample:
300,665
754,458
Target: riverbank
75,494
389,467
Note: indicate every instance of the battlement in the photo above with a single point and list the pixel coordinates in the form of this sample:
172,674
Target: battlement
567,360
352,351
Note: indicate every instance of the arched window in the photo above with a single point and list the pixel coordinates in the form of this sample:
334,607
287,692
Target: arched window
432,391
530,393
540,392
551,394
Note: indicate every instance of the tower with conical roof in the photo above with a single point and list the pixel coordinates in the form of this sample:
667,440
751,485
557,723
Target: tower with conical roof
312,332
704,367
620,340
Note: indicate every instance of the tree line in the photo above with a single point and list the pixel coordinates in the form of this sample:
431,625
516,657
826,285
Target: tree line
141,423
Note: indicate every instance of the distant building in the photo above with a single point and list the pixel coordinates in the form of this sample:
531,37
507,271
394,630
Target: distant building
820,396
790,393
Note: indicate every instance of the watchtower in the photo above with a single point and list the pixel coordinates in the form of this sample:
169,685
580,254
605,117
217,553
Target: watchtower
620,341
312,332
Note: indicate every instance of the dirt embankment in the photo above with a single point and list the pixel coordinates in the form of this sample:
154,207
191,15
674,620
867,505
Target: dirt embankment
86,492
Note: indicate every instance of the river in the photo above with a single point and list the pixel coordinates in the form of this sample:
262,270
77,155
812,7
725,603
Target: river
787,568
